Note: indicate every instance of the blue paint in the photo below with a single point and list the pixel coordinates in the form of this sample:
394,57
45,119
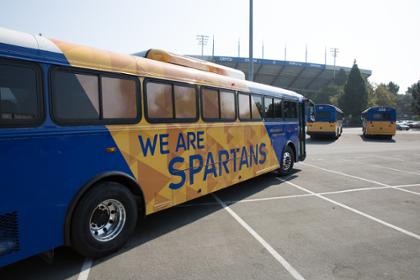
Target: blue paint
43,168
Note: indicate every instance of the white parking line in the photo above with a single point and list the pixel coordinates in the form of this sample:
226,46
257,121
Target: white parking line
409,185
385,167
293,272
406,232
228,202
359,178
84,271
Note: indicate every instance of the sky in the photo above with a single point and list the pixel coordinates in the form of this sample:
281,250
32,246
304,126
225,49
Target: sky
383,36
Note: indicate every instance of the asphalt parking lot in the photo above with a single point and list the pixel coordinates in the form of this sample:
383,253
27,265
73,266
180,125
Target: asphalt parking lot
350,211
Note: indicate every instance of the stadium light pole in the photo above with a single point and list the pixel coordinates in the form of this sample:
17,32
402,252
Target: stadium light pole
334,52
251,41
202,40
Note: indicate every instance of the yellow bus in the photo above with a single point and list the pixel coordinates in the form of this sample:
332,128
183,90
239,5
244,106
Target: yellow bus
379,121
92,140
328,122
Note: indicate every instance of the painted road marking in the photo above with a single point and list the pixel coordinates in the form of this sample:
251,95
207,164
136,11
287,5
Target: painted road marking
84,271
384,167
229,202
406,232
264,243
359,178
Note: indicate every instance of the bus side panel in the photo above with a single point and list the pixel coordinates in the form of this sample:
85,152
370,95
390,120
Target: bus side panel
282,132
182,162
41,175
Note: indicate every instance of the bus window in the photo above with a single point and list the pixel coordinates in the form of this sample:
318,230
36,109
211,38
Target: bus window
210,103
227,105
268,108
244,107
75,96
381,116
119,98
290,110
159,101
277,108
256,107
185,102
323,116
20,103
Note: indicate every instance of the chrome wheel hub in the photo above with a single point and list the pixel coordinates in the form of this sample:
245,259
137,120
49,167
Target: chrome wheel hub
287,161
107,220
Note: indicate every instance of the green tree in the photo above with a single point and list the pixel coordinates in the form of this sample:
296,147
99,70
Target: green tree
325,95
404,105
340,77
355,97
414,90
384,97
371,95
393,87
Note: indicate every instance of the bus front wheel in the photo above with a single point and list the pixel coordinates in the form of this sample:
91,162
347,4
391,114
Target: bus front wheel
287,161
103,220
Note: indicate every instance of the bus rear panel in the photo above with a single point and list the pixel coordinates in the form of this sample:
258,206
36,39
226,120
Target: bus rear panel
328,121
379,121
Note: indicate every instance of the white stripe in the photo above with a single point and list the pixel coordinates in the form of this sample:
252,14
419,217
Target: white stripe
360,178
409,185
409,233
228,202
267,246
384,167
84,271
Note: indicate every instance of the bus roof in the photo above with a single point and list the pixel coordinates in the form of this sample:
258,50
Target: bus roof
329,106
377,108
187,61
15,44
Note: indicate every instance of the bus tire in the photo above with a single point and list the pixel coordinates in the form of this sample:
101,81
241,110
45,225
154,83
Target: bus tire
103,220
287,161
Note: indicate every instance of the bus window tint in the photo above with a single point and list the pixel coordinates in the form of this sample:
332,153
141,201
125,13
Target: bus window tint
381,116
185,102
268,108
159,100
210,103
227,105
244,108
323,116
289,110
75,96
277,108
119,98
257,107
19,102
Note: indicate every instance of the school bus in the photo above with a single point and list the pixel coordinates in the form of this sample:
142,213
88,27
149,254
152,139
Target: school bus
379,121
328,121
93,140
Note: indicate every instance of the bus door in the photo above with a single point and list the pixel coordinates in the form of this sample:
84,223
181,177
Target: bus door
306,110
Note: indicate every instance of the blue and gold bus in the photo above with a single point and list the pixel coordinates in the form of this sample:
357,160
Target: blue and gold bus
92,140
379,121
328,121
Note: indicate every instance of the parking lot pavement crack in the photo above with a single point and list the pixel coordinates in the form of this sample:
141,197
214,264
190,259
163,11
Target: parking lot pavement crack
404,231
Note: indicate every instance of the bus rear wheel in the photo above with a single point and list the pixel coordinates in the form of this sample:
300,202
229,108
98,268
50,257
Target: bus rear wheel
103,220
287,161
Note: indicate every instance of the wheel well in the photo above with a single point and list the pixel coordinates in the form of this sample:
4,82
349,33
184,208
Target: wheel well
120,178
292,146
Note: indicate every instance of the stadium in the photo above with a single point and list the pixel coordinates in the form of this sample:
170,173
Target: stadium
302,77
